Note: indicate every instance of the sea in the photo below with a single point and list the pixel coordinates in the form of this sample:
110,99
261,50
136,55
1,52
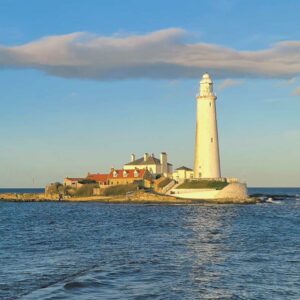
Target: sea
60,250
22,190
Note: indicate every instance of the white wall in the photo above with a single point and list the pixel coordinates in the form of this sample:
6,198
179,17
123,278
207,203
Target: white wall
182,174
155,169
231,191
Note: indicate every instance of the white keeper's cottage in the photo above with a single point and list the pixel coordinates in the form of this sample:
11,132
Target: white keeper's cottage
154,165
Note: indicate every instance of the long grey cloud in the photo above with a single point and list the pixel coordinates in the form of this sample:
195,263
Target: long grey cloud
163,54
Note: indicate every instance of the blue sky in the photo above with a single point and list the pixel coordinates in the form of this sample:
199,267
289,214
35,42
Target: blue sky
59,120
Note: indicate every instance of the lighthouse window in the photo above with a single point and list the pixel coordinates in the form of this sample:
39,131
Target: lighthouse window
211,139
209,103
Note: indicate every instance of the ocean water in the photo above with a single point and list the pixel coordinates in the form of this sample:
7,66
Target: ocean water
22,190
275,191
111,251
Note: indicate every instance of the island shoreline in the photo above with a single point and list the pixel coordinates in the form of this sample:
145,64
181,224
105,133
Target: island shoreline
136,198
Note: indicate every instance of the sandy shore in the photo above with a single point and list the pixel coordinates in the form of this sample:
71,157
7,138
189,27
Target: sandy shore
138,197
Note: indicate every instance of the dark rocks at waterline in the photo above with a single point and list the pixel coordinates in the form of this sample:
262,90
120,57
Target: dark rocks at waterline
263,197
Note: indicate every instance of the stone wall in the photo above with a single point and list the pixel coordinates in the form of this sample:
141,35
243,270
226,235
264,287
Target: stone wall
234,191
231,191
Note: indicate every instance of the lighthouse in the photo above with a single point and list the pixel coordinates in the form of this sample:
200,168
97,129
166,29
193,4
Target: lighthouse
207,158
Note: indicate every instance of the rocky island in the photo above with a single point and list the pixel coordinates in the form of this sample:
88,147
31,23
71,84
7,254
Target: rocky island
149,179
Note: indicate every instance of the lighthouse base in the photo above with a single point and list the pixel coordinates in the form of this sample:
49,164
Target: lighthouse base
234,191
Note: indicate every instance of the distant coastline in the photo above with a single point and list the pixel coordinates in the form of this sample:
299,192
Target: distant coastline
22,190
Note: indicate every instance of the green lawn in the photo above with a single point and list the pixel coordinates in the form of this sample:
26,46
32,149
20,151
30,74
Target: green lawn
203,184
120,189
86,190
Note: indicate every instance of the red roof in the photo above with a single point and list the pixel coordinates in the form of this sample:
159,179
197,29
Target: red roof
129,174
97,177
73,179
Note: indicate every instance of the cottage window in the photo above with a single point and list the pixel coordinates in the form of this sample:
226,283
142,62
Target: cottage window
115,174
136,174
124,174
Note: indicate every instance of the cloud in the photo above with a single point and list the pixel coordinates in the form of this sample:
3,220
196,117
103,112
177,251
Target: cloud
226,83
296,92
163,54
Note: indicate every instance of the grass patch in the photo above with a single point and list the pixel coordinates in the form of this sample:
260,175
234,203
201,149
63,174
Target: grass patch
121,189
85,190
203,184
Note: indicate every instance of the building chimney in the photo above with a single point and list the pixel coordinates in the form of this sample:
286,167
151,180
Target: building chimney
152,155
146,155
164,163
132,157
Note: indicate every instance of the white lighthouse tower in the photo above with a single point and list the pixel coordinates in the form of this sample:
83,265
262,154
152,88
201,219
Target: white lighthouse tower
207,158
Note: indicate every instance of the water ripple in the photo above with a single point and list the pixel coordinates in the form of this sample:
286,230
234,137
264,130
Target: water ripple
101,251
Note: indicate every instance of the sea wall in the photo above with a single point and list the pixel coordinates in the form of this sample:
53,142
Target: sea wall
195,193
231,191
234,190
28,197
